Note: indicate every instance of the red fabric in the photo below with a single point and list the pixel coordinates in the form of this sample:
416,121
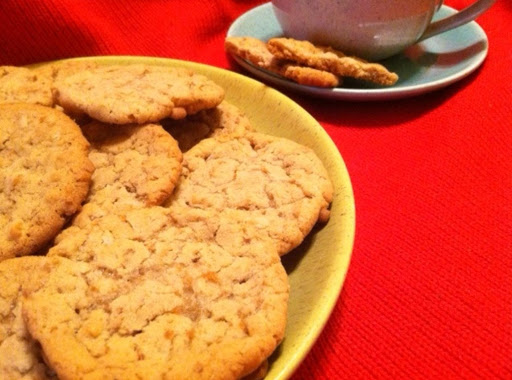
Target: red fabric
428,293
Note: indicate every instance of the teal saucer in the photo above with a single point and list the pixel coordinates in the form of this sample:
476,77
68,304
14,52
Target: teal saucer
427,66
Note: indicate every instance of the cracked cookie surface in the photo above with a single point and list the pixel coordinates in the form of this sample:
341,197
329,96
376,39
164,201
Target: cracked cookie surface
22,85
152,298
257,52
45,175
331,60
277,185
137,93
136,165
20,355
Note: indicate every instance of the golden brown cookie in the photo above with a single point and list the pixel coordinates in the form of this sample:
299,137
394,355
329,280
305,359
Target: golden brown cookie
278,186
59,70
150,298
137,93
136,165
22,85
250,49
223,119
20,355
331,60
257,52
45,175
309,76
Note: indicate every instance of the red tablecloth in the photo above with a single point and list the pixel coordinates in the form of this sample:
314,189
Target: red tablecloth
429,290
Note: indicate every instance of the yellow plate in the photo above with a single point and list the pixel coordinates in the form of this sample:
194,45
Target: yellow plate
318,267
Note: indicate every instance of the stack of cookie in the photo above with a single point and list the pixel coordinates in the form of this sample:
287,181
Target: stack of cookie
142,220
307,64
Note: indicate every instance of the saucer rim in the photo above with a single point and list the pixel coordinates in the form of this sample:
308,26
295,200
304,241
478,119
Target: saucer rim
397,91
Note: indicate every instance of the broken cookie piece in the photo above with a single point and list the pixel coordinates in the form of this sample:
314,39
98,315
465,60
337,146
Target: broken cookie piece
331,60
256,51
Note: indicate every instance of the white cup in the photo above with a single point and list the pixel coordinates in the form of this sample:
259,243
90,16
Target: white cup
370,29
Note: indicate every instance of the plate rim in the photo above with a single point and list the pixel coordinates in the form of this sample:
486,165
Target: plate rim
347,213
355,94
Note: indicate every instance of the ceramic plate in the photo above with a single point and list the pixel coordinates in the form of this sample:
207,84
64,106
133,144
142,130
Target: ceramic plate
318,267
429,65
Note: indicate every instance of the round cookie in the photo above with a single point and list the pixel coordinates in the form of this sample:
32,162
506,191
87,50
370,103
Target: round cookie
20,355
58,70
221,120
136,165
22,85
156,299
275,184
45,175
123,94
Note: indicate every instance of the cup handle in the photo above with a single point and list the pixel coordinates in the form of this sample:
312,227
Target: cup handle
460,18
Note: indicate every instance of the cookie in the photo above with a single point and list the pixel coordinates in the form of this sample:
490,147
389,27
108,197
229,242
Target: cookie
257,52
309,76
22,85
45,175
275,184
221,120
59,70
20,355
150,298
136,165
137,93
331,60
